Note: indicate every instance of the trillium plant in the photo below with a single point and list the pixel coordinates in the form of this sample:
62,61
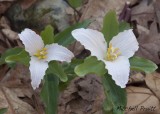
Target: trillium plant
41,54
115,56
53,65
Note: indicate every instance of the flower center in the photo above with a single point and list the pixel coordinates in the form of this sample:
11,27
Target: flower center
112,53
41,54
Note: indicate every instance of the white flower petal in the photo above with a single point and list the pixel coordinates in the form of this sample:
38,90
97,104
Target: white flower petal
31,41
119,70
37,69
59,53
126,42
92,40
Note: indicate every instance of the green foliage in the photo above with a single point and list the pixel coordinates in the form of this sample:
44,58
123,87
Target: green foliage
110,26
141,64
48,35
13,55
90,65
9,52
75,3
123,26
69,70
65,38
50,93
21,57
3,110
115,96
56,68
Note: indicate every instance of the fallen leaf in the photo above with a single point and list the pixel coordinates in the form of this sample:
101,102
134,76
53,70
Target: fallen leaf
136,78
11,35
4,22
25,4
153,82
13,104
141,100
97,10
4,5
149,44
143,13
83,95
157,9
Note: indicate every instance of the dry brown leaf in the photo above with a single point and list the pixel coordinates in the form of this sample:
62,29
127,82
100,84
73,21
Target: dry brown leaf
4,6
9,100
84,95
142,29
144,99
76,48
3,45
149,44
136,78
25,4
97,10
11,35
153,82
3,70
157,9
4,22
143,13
21,73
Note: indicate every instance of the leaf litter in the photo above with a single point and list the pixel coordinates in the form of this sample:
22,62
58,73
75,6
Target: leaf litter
85,95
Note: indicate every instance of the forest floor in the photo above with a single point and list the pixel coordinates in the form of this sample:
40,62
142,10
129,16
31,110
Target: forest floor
83,95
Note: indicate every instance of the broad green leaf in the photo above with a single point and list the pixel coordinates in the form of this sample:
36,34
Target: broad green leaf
65,38
123,26
3,110
9,52
141,64
69,70
22,57
90,65
75,3
48,35
69,67
50,93
115,96
56,68
110,26
107,106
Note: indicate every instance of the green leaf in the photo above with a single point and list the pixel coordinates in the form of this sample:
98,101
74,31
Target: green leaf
90,65
75,3
3,110
21,57
9,52
115,96
110,26
69,67
141,64
69,70
123,26
65,38
50,93
56,68
48,35
107,106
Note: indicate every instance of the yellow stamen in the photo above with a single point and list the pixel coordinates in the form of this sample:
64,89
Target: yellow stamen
41,54
112,53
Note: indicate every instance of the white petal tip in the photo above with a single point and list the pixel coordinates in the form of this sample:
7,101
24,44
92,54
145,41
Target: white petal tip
34,86
121,86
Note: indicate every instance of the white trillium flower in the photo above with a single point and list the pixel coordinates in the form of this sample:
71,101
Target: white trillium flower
41,55
115,56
